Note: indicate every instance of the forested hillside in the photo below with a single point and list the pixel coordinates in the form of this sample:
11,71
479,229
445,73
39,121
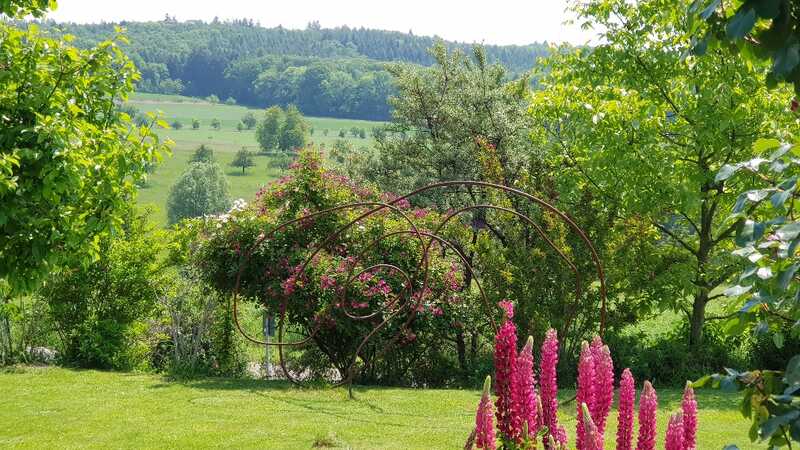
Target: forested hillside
338,72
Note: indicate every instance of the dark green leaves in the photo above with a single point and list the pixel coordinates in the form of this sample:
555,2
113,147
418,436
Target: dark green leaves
741,24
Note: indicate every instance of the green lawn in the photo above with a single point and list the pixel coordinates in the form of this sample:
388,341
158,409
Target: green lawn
61,408
225,142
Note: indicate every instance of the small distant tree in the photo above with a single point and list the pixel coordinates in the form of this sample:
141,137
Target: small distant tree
249,120
244,159
176,125
212,99
216,124
342,134
311,131
362,133
294,130
354,131
195,124
201,189
230,101
268,132
239,127
203,154
325,132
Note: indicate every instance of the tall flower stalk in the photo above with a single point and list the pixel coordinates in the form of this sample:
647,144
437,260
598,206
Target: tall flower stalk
675,438
627,398
648,407
509,421
548,387
484,419
527,403
593,440
689,409
585,395
604,384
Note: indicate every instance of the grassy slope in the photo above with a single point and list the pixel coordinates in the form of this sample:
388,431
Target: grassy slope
67,409
225,142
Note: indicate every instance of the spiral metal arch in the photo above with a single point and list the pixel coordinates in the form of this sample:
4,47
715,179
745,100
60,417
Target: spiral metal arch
427,239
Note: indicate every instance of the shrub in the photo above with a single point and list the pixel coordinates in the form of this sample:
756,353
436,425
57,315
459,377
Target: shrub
100,310
195,124
313,301
249,120
203,154
202,189
176,125
212,98
230,101
216,124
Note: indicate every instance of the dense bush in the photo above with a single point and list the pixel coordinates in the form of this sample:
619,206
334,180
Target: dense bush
100,310
202,189
314,302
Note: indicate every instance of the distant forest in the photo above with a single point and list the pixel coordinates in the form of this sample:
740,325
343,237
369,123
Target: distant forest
339,72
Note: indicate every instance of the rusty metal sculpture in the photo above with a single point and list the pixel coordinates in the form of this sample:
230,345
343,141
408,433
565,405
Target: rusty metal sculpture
427,240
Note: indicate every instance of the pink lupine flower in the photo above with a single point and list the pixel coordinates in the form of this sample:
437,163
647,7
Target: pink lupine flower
627,398
604,384
505,360
593,439
484,422
674,439
585,395
561,437
525,381
648,406
548,383
508,308
689,408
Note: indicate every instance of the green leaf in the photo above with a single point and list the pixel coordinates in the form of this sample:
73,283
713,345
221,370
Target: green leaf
786,59
741,23
726,172
787,275
789,231
706,13
735,291
778,340
792,376
763,144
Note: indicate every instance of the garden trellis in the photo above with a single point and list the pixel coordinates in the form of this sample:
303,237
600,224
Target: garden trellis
403,305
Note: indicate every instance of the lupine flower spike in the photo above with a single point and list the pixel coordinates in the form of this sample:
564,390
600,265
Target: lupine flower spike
526,404
585,397
604,384
627,398
548,383
689,407
674,439
593,440
505,361
484,419
648,406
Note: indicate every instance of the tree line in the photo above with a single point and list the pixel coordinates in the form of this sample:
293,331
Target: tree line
338,72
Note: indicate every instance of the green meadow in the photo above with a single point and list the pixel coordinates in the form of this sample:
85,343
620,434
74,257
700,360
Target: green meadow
226,142
64,408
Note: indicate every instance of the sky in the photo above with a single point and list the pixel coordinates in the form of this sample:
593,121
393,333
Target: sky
491,22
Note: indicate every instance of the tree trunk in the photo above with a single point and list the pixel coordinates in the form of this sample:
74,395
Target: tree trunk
461,347
698,318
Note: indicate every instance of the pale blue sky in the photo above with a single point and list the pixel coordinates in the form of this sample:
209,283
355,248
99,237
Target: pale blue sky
492,21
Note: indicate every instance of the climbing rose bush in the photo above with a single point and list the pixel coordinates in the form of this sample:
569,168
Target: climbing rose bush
518,427
336,300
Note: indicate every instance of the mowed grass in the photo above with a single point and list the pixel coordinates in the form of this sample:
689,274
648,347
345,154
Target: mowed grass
225,142
62,408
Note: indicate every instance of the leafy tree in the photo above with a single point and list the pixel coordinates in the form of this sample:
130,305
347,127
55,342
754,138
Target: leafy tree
249,120
176,125
243,159
22,8
269,130
230,101
203,154
761,29
216,124
767,289
645,130
239,127
202,189
293,130
325,132
195,124
212,99
70,161
342,134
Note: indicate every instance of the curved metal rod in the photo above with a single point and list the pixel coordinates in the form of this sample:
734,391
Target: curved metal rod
565,218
